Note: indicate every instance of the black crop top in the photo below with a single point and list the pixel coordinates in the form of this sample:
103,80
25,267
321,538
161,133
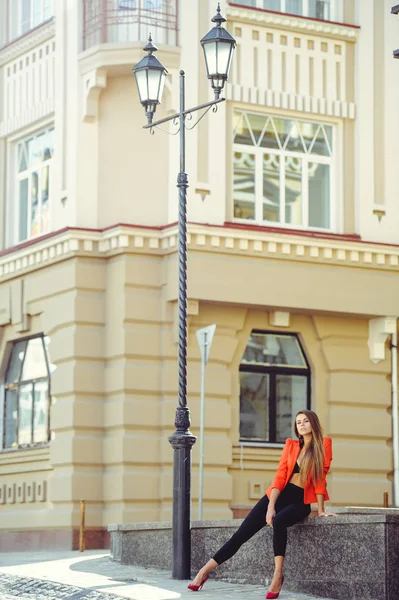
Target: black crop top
296,469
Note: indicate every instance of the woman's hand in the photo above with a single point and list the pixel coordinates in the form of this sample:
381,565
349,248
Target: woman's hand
271,513
326,514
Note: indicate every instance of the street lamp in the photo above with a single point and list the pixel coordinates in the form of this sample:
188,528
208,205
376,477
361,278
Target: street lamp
218,46
150,77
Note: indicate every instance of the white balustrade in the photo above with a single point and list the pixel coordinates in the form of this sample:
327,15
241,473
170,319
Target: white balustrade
28,87
290,69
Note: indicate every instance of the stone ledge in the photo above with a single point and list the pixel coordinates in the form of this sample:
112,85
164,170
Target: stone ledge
366,510
354,555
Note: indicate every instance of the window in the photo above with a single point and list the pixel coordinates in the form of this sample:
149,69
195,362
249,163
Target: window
27,14
274,386
317,9
34,163
27,395
145,4
282,171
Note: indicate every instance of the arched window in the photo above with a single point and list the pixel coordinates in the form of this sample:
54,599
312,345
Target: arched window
27,395
274,386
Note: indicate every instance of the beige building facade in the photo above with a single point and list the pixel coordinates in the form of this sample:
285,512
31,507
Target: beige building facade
293,253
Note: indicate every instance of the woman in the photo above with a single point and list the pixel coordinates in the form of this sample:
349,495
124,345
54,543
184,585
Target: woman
299,481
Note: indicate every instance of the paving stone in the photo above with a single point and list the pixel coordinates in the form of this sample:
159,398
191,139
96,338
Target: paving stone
36,589
94,576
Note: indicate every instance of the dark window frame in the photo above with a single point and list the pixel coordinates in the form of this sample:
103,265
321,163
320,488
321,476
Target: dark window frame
273,372
24,382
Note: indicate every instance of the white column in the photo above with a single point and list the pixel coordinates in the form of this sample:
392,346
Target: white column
364,140
390,222
63,208
3,207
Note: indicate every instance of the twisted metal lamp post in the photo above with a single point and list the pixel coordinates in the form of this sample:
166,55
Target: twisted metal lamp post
150,74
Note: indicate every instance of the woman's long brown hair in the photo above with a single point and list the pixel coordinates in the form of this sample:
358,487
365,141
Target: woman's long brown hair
313,459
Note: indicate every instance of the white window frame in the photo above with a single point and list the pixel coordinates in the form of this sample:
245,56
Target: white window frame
16,31
334,207
335,8
13,208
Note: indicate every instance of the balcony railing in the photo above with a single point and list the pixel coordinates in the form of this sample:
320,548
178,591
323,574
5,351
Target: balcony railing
112,21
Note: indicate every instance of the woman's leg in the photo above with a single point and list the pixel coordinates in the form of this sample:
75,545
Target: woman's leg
251,525
290,515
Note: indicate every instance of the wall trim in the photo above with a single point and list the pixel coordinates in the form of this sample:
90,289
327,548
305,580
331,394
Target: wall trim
119,239
27,42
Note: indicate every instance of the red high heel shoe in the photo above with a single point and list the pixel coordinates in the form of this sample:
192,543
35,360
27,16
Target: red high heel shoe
273,595
197,588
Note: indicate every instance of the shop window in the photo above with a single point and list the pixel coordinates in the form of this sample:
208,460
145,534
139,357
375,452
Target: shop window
274,386
282,171
27,395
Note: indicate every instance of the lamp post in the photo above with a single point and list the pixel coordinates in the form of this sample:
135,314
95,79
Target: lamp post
150,74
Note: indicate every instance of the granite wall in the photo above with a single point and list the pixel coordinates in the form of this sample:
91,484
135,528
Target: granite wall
354,556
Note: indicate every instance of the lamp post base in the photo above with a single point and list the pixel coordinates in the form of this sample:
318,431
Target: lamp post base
182,441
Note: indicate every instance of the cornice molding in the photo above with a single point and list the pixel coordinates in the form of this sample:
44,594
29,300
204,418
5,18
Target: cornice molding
292,23
27,42
201,238
123,56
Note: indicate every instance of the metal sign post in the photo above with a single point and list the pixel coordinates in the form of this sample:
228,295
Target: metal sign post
204,338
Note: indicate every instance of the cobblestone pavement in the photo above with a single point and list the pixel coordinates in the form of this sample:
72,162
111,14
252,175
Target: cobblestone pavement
94,576
12,587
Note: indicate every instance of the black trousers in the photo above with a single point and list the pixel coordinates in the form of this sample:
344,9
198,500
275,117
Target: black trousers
290,509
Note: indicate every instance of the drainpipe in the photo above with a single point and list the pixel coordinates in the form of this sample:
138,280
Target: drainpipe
395,417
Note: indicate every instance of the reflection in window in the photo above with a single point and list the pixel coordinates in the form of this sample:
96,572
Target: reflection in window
271,187
272,5
254,417
293,190
320,9
324,10
274,386
291,395
294,7
27,394
34,163
244,185
319,195
143,4
282,171
27,14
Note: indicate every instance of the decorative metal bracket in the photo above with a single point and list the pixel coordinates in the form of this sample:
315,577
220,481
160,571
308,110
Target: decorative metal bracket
186,114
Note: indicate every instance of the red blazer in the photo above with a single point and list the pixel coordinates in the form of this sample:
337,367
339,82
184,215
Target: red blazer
286,466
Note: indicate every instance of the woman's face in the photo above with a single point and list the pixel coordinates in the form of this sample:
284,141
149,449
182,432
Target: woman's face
303,425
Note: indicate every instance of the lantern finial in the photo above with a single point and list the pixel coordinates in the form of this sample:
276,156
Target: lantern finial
150,47
218,18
